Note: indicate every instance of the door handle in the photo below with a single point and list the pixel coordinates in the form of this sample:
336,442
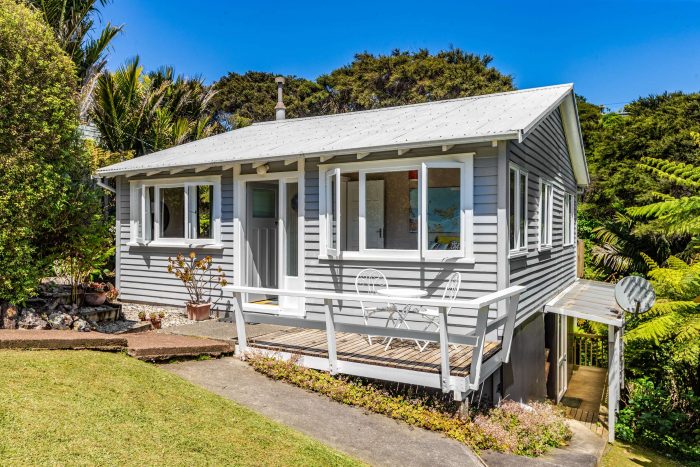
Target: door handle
380,233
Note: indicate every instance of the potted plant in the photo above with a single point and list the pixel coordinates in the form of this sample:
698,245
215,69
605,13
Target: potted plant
155,320
197,275
95,293
142,315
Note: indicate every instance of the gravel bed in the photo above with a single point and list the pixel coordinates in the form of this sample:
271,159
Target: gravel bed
174,316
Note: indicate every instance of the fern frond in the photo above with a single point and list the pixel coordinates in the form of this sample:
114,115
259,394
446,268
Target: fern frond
678,172
649,261
655,329
689,330
677,264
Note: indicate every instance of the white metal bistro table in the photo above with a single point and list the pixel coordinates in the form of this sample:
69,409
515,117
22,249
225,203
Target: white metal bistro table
403,292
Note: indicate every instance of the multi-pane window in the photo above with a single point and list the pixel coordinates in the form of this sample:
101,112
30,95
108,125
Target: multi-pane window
416,210
517,208
171,211
545,214
569,219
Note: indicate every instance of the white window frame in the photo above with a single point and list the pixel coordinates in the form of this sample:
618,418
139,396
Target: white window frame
569,218
545,243
519,249
465,162
138,192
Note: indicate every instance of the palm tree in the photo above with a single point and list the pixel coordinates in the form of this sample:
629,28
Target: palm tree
143,113
73,23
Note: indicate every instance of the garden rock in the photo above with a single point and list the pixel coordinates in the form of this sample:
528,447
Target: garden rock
81,325
30,319
60,321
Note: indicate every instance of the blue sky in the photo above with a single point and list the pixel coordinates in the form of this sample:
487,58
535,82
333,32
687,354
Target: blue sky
614,51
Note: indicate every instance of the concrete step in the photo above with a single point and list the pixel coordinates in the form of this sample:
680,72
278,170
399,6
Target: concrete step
22,339
151,346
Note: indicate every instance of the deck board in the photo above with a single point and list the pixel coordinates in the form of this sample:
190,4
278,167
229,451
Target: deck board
402,354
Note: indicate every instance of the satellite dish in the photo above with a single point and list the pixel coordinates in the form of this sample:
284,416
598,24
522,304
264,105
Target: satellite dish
634,294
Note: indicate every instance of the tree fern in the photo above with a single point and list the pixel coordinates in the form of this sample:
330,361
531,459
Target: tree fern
675,318
676,215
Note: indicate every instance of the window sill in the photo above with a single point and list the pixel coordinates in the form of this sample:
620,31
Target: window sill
199,246
569,245
517,254
543,248
398,259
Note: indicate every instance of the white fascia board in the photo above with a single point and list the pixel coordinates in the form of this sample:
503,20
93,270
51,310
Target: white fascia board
325,156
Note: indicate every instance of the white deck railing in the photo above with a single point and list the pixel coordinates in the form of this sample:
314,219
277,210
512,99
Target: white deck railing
448,382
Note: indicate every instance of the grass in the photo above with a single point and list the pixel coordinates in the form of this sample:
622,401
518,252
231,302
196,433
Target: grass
625,455
91,408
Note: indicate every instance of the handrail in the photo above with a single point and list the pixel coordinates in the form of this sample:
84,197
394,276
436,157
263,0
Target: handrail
473,304
443,337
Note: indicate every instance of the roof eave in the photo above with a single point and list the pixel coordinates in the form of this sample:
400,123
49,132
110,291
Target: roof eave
516,134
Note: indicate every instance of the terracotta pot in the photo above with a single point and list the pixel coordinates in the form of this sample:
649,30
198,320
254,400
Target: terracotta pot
155,322
198,312
95,298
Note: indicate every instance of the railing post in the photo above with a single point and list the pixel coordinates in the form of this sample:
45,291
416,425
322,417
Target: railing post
240,324
444,352
509,327
330,335
478,350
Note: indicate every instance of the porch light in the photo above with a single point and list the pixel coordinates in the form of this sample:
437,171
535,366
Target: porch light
263,169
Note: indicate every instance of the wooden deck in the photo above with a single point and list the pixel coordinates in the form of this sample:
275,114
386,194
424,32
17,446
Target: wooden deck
587,385
355,348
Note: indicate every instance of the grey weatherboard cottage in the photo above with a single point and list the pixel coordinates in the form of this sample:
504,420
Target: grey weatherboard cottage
485,186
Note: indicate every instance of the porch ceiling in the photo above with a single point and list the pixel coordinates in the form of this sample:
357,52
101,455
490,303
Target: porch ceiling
591,300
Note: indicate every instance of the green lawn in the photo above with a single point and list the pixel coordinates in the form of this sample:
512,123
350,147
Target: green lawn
626,455
80,407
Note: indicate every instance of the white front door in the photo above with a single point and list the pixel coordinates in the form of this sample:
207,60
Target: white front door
262,219
562,340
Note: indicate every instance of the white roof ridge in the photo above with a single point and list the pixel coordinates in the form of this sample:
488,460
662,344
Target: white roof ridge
405,106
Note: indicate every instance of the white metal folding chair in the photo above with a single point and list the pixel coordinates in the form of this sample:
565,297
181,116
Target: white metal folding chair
431,314
367,282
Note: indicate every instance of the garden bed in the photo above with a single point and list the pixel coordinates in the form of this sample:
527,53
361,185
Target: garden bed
512,427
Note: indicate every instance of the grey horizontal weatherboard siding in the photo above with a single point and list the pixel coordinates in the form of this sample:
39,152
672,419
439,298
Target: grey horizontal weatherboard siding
477,279
143,274
544,154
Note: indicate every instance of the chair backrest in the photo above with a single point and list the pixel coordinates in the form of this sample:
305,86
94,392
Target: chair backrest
454,281
368,281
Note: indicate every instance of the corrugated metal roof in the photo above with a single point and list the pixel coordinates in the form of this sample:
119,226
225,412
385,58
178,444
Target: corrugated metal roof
493,116
586,299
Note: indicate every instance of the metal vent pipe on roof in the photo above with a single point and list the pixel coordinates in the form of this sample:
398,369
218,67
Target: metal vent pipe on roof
280,109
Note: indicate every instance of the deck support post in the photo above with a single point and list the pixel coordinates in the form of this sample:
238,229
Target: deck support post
444,352
509,327
330,334
613,378
240,324
478,350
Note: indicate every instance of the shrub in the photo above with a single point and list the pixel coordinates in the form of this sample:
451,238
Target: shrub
507,428
43,165
653,419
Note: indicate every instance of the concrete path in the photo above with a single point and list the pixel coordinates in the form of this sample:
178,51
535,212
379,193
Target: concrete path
373,438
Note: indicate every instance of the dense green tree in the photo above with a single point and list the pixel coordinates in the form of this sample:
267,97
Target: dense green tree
43,165
375,81
657,126
370,81
143,113
73,23
251,97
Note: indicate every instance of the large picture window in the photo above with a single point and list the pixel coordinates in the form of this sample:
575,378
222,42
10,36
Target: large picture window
517,209
413,211
545,214
176,211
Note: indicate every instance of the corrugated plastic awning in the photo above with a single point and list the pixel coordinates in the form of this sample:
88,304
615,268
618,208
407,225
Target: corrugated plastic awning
591,300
